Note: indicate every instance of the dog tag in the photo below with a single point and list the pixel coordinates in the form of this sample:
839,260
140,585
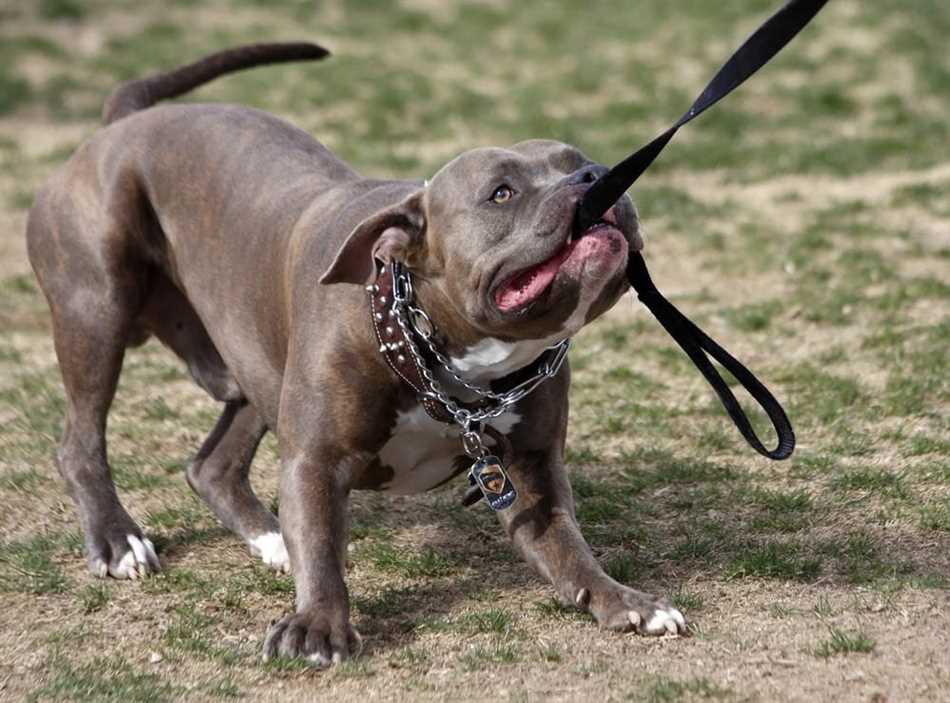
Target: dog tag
488,474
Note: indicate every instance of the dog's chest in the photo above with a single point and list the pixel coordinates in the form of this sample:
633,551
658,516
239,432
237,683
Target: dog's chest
422,453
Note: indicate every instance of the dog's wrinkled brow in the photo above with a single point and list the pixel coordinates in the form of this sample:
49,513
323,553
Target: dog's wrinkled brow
505,167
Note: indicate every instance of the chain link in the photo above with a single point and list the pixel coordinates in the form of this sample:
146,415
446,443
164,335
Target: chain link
406,313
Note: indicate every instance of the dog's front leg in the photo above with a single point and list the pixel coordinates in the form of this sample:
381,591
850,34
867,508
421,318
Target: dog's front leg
314,495
543,527
314,492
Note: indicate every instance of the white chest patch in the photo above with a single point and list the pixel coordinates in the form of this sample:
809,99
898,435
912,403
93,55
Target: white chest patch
422,452
492,358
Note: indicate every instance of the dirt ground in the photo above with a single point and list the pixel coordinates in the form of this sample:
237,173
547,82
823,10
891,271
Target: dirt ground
804,223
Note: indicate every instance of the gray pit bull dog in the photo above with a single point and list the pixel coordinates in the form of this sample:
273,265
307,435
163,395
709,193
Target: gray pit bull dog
219,229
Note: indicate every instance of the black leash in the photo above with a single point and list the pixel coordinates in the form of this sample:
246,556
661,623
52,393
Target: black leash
757,50
697,344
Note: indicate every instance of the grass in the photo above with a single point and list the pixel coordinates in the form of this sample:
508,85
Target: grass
800,223
936,516
94,597
878,481
492,621
406,561
776,560
482,657
191,634
30,566
844,642
661,689
103,679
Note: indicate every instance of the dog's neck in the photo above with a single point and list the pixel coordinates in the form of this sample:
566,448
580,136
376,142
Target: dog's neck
491,358
480,359
476,357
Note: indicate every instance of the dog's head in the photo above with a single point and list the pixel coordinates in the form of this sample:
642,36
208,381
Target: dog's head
490,238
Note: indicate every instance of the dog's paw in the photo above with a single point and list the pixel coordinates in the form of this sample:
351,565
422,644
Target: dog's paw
272,551
311,637
129,556
624,609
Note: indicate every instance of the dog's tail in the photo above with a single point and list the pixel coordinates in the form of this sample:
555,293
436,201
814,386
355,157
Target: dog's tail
139,94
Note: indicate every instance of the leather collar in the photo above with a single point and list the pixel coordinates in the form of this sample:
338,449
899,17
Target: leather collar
394,347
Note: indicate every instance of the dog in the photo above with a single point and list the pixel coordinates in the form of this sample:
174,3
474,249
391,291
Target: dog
264,262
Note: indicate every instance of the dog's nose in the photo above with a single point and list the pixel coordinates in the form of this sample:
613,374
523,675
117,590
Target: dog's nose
587,174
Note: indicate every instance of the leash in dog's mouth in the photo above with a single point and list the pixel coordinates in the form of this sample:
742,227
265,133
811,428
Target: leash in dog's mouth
526,285
754,53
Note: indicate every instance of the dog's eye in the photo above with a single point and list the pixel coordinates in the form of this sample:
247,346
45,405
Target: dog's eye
502,194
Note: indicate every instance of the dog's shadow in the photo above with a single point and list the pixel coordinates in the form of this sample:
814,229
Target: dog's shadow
473,562
665,540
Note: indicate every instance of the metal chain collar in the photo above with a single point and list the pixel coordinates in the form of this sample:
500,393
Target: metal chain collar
413,321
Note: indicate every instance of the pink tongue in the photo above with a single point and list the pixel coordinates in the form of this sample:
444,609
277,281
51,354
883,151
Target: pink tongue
531,283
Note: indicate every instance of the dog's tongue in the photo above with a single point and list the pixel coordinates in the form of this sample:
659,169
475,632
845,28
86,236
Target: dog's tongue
532,282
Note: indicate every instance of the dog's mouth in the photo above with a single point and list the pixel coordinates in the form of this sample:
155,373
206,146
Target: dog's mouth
528,284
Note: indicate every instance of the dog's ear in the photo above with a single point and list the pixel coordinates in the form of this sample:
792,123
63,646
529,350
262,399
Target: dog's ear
389,234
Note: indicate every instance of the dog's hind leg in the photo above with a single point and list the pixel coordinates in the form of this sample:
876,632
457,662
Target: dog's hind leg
93,295
168,314
219,474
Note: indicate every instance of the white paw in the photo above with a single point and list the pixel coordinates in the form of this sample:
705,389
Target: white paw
138,562
664,621
321,662
272,551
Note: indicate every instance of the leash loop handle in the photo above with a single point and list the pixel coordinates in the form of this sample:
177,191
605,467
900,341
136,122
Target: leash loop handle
699,347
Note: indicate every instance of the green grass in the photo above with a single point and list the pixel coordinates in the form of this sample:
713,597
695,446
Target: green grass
622,568
135,473
103,679
687,601
37,424
782,511
31,565
777,560
861,558
492,621
181,580
842,642
754,317
652,468
936,516
482,657
61,9
23,480
661,689
551,608
194,634
94,597
14,91
406,561
880,481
